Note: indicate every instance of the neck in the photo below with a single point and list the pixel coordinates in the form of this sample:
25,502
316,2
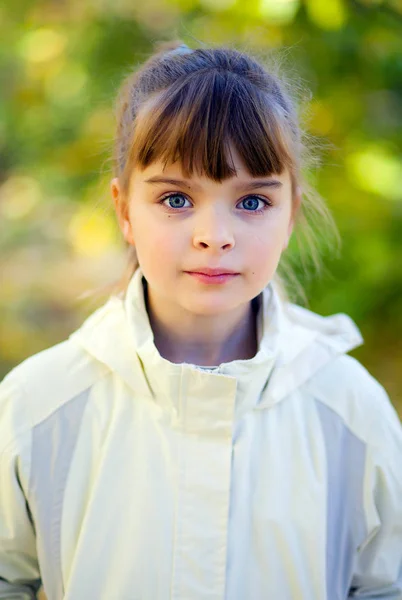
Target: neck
203,340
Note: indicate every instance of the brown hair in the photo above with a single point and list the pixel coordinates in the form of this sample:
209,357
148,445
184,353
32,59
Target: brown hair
189,105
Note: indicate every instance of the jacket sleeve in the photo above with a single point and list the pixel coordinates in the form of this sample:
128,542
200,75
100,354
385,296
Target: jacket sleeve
378,569
19,570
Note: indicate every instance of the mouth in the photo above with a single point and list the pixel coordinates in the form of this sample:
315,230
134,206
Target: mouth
217,277
214,272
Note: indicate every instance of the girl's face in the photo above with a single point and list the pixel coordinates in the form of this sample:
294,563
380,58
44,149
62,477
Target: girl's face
181,226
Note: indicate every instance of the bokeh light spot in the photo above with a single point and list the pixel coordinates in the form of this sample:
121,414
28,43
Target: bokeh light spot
375,169
91,233
218,5
322,119
330,14
42,45
279,11
18,196
66,84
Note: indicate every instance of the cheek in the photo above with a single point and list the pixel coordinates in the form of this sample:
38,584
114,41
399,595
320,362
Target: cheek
268,240
265,247
157,245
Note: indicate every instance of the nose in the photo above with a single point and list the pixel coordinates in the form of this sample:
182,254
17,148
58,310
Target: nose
213,230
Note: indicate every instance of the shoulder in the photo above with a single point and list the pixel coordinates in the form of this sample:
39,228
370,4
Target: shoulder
349,390
37,387
349,375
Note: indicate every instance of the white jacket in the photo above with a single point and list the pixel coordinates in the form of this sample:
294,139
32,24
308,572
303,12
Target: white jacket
126,477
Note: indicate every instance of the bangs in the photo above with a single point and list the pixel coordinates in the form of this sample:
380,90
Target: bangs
196,121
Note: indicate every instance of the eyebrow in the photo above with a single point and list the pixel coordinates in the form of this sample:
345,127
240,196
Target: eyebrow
249,185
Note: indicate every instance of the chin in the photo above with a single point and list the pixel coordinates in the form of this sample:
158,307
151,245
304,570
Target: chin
208,307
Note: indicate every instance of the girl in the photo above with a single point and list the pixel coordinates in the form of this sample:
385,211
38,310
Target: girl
200,436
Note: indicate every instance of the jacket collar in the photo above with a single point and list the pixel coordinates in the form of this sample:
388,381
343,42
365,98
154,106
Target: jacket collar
166,379
294,344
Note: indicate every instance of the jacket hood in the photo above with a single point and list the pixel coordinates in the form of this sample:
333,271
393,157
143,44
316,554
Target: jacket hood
294,343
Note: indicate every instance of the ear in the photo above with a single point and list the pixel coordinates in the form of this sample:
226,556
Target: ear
296,202
122,210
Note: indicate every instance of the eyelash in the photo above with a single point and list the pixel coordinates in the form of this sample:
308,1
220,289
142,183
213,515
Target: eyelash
258,211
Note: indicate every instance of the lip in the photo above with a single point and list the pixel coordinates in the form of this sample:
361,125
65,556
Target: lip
220,277
213,272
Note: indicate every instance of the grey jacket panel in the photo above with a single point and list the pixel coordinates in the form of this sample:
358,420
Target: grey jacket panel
53,443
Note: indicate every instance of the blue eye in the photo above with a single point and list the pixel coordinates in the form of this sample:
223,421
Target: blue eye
174,201
251,204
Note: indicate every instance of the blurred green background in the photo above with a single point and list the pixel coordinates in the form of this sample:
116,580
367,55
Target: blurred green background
61,63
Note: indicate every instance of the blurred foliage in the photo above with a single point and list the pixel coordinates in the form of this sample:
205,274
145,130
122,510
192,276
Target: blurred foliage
60,66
